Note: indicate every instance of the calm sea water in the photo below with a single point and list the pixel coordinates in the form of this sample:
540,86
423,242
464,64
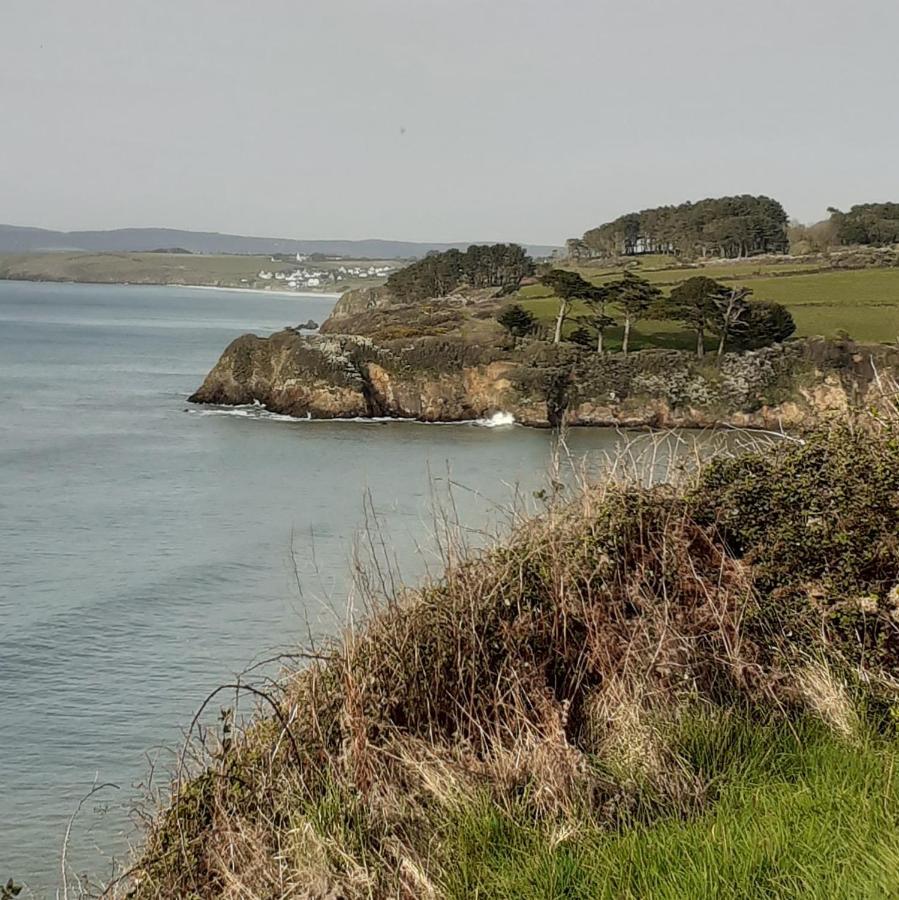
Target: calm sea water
146,547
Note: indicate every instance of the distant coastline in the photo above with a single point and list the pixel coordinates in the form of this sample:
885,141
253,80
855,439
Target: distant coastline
257,273
323,295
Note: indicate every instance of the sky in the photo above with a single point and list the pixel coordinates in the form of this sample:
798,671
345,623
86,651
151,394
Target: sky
438,120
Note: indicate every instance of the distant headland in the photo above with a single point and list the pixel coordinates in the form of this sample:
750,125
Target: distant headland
694,315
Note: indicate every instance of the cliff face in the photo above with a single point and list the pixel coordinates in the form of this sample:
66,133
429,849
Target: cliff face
354,303
451,379
349,376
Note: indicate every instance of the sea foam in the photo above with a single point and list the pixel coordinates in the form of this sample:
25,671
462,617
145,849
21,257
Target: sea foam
497,420
258,412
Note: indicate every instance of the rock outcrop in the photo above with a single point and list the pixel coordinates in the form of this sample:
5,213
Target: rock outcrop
450,378
349,376
356,302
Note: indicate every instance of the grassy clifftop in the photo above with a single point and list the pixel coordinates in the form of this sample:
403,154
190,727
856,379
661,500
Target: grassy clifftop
855,292
674,691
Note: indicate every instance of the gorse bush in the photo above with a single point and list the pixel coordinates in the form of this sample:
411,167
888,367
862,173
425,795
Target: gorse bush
819,528
569,711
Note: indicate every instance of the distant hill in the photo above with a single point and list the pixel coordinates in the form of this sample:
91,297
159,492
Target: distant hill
16,239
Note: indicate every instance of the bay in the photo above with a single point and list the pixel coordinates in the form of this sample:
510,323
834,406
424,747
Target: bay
149,549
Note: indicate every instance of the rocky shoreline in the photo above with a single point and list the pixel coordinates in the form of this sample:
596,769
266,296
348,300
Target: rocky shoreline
447,360
445,380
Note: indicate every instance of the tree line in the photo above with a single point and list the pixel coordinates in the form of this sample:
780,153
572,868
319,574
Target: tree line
480,266
723,226
875,224
703,305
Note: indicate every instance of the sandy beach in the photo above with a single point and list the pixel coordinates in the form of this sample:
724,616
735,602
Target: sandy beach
211,287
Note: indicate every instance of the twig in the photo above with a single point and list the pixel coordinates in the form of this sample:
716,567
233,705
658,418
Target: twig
65,841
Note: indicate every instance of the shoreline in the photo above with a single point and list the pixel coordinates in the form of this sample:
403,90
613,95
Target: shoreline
650,423
325,295
211,287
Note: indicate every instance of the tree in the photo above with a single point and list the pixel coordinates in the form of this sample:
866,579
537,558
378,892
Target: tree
764,323
439,274
817,238
634,296
693,302
730,226
581,336
731,309
596,303
867,223
517,320
567,286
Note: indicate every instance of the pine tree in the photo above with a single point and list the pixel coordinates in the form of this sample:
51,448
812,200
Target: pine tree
517,320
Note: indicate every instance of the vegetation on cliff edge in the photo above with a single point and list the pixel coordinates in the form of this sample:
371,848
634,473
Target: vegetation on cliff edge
438,274
664,691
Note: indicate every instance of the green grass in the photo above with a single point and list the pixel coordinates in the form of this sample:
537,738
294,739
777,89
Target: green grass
862,302
796,814
646,334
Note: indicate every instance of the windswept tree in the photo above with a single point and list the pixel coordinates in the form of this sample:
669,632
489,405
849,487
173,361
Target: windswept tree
634,296
731,314
517,320
703,304
567,286
693,302
876,224
597,303
727,226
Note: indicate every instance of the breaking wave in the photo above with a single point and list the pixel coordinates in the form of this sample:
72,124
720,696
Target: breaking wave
497,420
257,411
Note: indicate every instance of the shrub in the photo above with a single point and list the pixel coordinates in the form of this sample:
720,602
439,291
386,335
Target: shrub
517,320
764,324
818,526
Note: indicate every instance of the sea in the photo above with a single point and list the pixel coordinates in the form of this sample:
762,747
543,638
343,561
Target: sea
151,550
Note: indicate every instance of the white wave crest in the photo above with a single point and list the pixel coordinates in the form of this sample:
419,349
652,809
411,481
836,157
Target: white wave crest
497,420
258,412
255,411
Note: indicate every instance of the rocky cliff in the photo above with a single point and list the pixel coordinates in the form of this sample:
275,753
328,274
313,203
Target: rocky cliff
349,375
451,378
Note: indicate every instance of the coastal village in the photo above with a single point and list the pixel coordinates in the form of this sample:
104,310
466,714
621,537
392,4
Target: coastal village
307,274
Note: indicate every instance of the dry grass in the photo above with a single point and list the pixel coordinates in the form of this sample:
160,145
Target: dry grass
545,674
827,696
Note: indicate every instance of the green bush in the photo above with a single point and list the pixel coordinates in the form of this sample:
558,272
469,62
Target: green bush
817,524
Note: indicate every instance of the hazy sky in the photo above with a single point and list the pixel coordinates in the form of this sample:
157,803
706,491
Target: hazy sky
438,119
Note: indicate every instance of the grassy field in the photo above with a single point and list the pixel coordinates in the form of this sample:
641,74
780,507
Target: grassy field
862,302
165,268
798,812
